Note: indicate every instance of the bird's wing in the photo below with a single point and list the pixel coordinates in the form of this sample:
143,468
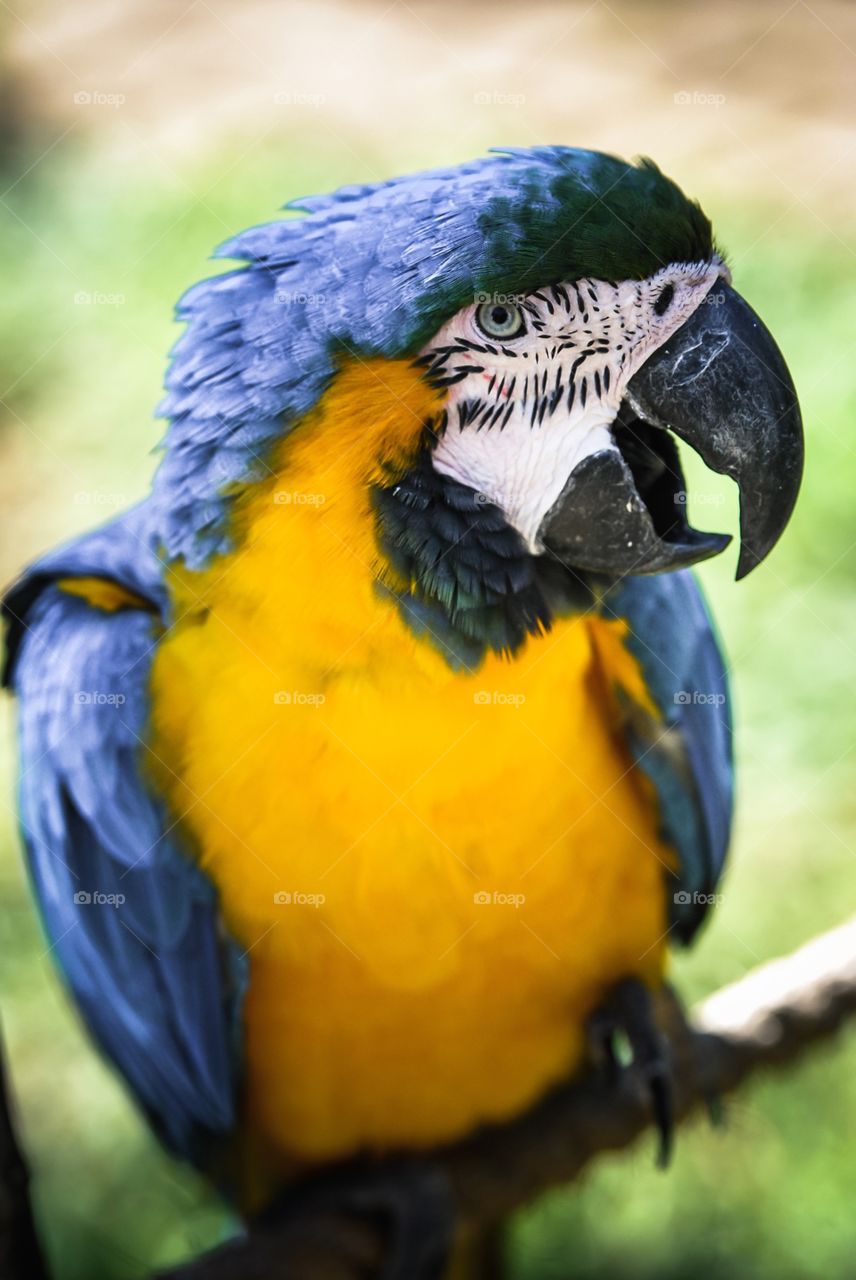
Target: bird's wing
132,921
681,740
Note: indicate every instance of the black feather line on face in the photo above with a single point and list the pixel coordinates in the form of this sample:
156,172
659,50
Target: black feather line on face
489,408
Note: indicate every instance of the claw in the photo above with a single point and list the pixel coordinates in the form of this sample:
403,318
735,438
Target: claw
660,1087
687,1048
628,1008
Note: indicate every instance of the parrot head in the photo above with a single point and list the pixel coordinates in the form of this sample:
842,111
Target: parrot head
575,319
563,403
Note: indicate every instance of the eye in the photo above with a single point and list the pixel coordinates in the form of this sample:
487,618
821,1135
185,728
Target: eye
500,320
664,299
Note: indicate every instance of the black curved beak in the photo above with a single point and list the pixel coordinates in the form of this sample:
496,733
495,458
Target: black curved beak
720,384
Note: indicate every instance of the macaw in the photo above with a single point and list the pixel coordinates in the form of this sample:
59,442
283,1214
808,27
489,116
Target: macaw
386,744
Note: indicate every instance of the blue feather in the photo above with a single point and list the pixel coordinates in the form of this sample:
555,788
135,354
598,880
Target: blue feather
688,757
132,921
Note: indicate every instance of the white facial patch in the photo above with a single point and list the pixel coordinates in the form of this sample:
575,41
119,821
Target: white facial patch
523,410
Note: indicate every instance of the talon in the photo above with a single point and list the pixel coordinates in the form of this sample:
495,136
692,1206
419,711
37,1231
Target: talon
660,1086
628,1009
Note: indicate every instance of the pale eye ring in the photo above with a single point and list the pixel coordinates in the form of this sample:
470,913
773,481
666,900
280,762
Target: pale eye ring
500,320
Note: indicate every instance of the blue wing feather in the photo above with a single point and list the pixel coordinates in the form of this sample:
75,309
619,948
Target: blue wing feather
131,919
687,755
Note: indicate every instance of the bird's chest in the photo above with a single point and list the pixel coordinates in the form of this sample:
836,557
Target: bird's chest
425,867
391,803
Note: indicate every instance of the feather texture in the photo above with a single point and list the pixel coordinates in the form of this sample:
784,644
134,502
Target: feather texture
132,921
686,752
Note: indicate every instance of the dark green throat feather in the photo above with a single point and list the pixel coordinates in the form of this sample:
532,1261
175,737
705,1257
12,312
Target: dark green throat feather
471,584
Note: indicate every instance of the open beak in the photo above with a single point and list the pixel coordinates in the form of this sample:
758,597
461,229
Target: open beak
720,384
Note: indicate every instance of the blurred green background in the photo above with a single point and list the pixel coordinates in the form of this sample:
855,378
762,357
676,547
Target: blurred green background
137,136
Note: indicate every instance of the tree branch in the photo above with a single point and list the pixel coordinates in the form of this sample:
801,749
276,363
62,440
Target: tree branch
765,1020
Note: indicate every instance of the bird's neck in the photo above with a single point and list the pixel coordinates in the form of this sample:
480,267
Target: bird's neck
354,549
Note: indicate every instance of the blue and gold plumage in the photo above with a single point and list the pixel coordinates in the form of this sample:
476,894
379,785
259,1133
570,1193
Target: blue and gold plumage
355,769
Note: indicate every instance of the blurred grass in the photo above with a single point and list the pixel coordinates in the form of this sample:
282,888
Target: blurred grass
771,1196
